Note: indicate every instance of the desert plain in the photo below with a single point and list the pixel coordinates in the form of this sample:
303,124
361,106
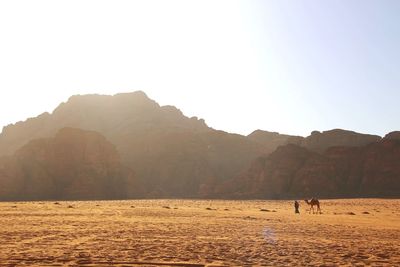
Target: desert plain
349,232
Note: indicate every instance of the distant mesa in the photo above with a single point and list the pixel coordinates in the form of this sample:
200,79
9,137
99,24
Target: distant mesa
319,142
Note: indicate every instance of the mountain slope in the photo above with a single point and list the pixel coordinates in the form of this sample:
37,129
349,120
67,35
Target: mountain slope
113,116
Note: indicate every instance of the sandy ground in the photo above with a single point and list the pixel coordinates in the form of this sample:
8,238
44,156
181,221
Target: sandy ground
199,233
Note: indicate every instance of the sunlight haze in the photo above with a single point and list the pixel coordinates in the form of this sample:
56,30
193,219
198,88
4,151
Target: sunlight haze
286,66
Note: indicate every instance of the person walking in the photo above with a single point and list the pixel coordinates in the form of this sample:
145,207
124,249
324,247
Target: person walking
296,207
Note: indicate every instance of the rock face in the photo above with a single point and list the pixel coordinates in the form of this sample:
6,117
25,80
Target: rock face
296,172
393,135
75,164
319,142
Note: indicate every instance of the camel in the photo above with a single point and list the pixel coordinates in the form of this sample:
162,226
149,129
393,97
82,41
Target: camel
313,202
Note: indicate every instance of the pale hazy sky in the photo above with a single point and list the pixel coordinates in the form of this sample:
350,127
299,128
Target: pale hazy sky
286,66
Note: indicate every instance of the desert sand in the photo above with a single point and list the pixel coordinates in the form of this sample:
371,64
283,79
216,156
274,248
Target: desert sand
354,232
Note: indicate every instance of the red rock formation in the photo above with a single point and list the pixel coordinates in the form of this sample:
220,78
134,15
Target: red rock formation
75,164
177,156
292,171
381,172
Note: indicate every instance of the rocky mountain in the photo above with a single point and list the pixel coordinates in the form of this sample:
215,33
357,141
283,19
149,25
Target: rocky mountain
172,155
176,156
75,164
115,116
293,171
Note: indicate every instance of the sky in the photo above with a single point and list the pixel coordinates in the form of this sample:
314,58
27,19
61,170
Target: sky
291,66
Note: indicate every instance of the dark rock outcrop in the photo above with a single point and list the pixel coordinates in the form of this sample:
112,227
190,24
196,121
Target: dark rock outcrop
75,164
293,172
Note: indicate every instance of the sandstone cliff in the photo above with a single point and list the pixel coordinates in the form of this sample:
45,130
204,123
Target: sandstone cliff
293,171
75,164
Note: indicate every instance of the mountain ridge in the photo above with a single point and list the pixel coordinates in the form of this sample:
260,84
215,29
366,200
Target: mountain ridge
172,155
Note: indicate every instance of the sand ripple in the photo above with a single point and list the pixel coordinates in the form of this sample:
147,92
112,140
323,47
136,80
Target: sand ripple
199,233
